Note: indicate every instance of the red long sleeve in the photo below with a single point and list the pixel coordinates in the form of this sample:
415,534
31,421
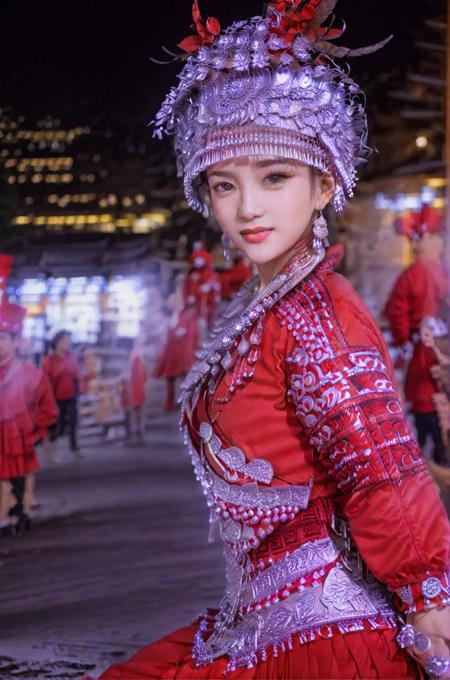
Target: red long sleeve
397,310
340,380
46,410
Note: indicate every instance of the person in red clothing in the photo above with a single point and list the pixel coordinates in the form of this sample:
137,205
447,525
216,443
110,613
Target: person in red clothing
202,285
63,373
336,544
27,409
232,279
421,291
178,353
135,393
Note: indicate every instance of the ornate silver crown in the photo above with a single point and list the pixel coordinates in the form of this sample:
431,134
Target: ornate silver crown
267,86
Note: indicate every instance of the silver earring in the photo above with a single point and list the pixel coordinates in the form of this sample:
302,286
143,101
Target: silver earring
226,243
320,231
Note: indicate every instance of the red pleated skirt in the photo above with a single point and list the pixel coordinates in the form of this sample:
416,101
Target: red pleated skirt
17,452
362,654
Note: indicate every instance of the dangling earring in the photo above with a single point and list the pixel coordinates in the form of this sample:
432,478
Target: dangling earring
226,243
320,231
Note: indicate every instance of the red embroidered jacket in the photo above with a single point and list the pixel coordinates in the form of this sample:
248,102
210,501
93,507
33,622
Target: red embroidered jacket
323,404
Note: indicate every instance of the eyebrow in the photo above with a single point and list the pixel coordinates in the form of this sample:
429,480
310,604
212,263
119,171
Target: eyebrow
219,173
273,161
259,164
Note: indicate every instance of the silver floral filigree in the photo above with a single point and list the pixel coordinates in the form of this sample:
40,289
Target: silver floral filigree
236,83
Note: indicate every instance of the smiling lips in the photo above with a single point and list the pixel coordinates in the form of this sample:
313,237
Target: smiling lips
255,235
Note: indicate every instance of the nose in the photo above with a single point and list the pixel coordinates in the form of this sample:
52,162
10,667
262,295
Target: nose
250,206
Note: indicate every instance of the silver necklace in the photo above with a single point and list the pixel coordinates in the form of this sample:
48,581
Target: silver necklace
245,310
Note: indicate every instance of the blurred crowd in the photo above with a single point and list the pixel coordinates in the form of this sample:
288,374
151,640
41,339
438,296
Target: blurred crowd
44,400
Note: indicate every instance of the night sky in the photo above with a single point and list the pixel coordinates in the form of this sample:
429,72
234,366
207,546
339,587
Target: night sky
91,60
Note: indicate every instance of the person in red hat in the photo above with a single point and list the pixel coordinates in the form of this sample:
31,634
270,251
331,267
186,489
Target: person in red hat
27,409
202,284
420,292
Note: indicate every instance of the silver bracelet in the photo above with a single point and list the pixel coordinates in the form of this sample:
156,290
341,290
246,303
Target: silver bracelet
436,666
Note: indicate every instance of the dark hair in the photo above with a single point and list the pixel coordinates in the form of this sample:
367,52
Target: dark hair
60,335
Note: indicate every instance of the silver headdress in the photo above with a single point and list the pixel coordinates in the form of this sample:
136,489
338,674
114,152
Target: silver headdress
267,86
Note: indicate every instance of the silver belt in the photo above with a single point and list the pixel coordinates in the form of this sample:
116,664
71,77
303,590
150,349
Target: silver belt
345,599
306,559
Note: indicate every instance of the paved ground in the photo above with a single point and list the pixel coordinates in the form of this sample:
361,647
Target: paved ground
118,557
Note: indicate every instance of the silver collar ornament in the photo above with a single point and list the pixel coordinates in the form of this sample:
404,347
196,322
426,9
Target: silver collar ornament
237,329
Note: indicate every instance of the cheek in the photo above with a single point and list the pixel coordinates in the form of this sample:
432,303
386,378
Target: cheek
224,212
292,210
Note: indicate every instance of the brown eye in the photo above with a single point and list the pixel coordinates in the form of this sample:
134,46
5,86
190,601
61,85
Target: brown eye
276,178
223,187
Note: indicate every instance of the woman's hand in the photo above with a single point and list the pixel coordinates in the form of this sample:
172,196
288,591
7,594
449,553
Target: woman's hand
432,638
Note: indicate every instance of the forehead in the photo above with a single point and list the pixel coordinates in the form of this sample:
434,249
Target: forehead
252,163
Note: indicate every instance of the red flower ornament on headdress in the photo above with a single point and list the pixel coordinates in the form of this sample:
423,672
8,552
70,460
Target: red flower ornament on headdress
250,86
293,19
206,34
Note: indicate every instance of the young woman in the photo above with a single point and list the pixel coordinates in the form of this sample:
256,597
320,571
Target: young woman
333,533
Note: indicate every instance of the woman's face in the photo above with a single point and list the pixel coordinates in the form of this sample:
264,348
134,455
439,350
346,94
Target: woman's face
265,204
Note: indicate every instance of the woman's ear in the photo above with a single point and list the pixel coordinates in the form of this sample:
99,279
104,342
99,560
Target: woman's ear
325,188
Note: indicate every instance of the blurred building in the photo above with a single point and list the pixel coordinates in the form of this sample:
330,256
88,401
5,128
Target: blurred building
79,178
96,220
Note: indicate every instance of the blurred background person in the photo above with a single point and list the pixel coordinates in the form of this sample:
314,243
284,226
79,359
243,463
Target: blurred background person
421,291
234,276
135,392
182,341
202,286
62,369
27,409
434,336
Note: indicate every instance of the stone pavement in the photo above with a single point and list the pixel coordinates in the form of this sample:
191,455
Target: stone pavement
117,557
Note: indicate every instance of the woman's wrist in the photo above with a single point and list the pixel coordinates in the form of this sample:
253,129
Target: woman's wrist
431,592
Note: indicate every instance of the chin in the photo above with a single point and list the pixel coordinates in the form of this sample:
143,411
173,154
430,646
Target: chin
262,254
